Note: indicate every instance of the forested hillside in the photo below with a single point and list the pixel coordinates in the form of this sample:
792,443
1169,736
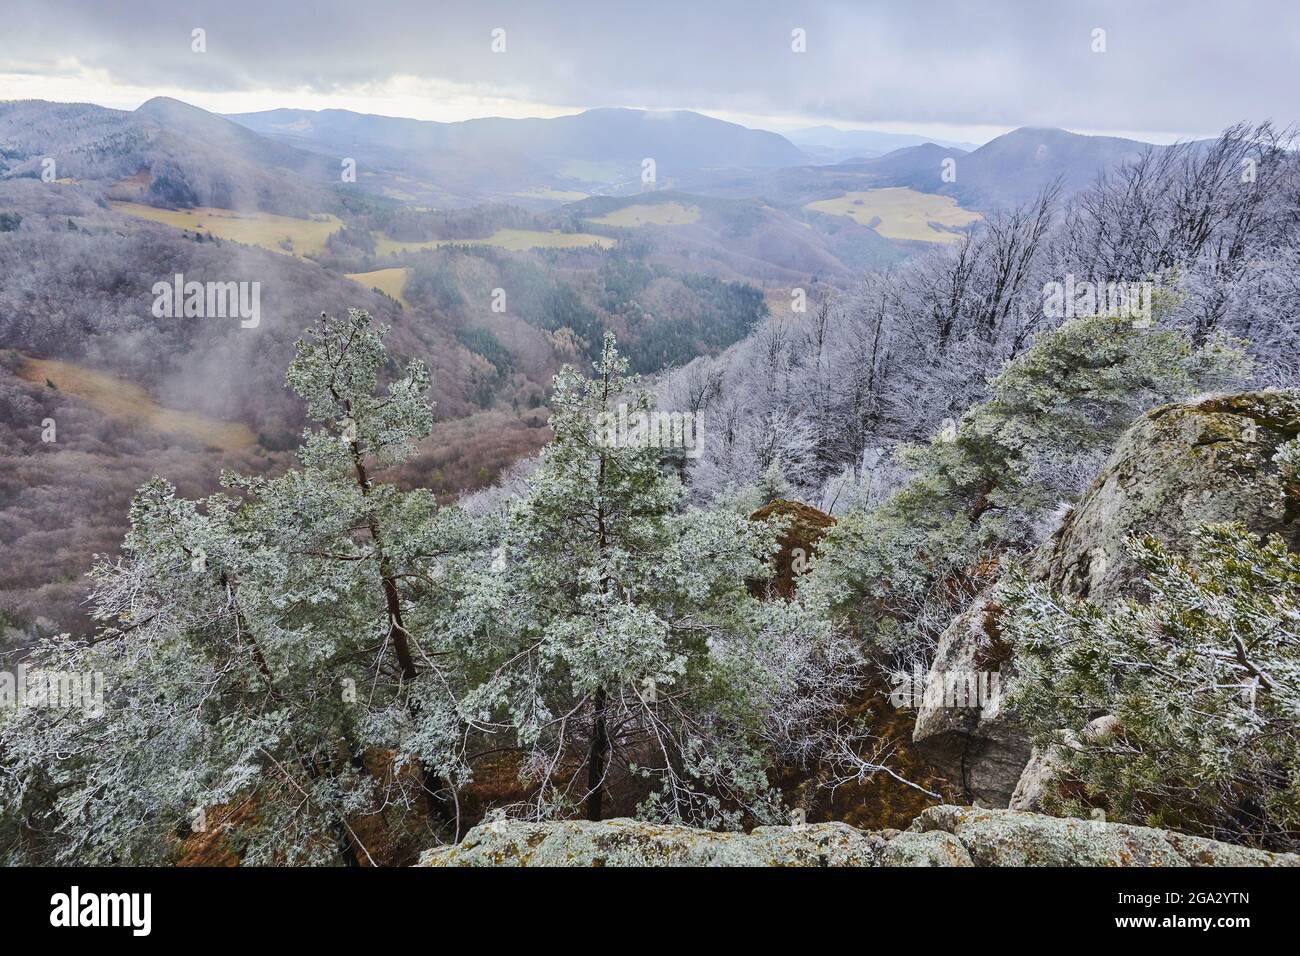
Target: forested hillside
494,297
825,396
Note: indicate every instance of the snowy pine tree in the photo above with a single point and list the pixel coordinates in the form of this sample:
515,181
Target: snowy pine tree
266,649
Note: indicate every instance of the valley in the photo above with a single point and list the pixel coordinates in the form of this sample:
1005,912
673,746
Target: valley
423,239
512,240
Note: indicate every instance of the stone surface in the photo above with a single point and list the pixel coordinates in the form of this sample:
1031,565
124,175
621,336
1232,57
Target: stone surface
933,848
1045,765
625,842
1176,467
978,750
1040,772
1009,838
940,836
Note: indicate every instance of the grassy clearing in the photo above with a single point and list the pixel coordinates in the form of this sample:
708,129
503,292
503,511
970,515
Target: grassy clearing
127,402
779,301
305,236
903,213
651,214
513,240
387,281
559,195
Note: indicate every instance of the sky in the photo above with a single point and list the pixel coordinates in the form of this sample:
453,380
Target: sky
968,71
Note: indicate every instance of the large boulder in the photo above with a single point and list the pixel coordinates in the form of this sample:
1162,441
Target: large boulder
940,836
979,750
804,527
1176,467
1047,764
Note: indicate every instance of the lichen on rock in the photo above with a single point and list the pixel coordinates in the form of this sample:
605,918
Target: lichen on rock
941,836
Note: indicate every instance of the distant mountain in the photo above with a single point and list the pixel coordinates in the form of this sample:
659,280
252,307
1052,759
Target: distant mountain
1013,168
216,132
599,146
166,153
1005,171
829,144
915,166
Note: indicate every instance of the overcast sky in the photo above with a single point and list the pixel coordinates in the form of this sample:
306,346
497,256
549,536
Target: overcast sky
956,70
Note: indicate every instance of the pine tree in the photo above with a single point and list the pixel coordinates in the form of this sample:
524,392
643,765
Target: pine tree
265,649
986,484
625,644
1199,686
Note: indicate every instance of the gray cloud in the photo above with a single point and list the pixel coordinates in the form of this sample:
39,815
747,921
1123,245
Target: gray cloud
1188,67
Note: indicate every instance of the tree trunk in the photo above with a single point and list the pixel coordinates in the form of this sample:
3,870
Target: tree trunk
596,757
430,783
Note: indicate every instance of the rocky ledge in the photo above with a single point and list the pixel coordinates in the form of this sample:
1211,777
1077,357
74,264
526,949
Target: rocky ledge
940,836
1177,467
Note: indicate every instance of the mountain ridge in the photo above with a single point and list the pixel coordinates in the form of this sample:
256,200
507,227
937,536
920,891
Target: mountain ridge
672,138
1007,170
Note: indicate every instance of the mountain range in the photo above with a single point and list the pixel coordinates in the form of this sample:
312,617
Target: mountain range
288,160
833,145
607,147
1007,170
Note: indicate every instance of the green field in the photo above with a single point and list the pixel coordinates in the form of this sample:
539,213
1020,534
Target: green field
387,281
902,213
306,236
127,402
514,240
651,214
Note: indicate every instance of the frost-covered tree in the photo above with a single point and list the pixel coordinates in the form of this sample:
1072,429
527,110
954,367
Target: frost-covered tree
1201,684
1220,217
267,653
624,650
881,363
986,483
888,360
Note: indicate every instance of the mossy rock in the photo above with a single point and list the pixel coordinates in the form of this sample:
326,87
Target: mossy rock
804,527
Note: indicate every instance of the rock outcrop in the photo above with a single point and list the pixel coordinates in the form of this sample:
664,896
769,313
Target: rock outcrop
940,836
979,750
1047,764
1176,467
805,526
626,842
